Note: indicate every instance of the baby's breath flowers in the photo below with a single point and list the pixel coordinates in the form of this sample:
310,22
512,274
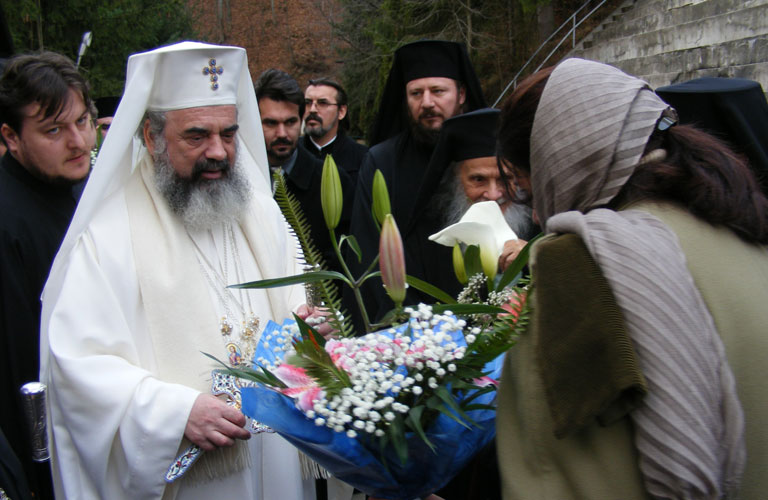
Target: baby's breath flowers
382,384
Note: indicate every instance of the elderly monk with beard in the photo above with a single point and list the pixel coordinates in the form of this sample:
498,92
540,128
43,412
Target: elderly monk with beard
463,171
178,208
430,81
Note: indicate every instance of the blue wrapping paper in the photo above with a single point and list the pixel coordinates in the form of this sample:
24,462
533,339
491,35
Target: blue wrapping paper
359,462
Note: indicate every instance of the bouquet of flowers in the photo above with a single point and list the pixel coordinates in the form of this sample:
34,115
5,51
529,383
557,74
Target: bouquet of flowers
398,411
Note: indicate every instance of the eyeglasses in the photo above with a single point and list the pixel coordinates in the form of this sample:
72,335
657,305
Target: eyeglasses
320,103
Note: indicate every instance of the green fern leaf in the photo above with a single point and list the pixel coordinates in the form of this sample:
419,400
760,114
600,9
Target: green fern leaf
326,291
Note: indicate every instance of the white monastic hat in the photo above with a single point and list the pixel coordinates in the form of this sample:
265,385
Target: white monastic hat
180,76
189,75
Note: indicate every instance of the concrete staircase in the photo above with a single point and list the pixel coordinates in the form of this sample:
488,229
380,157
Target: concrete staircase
671,41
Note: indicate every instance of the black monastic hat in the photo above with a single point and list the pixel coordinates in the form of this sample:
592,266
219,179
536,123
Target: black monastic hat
465,136
733,109
470,135
423,59
107,105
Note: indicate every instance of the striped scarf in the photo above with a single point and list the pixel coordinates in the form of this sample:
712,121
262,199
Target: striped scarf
589,134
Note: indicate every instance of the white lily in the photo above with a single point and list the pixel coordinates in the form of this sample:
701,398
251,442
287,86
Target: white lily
483,225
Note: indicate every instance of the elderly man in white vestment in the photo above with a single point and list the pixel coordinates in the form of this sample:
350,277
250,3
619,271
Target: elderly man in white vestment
179,206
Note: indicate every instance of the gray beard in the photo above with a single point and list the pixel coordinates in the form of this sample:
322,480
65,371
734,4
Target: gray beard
456,204
319,132
203,204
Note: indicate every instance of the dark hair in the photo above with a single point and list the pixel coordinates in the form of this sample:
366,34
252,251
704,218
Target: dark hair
43,77
341,94
513,141
700,173
703,175
279,86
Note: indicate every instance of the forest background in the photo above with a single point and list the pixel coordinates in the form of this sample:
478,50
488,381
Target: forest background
349,40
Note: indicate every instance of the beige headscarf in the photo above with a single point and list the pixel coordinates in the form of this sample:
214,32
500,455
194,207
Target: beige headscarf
589,134
590,130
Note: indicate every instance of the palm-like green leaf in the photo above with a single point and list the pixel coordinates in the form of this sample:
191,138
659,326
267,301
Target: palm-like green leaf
353,244
437,403
466,309
308,277
397,436
429,289
262,375
414,421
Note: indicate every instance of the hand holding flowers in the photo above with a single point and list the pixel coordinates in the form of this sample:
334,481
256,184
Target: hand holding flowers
394,412
410,405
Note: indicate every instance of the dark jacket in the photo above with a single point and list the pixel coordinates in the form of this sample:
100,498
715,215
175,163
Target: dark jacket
304,183
36,216
403,162
347,153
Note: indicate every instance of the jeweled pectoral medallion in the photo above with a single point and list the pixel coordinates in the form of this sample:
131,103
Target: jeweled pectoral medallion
250,326
225,326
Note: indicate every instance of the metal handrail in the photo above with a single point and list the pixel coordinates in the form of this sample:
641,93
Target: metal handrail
571,32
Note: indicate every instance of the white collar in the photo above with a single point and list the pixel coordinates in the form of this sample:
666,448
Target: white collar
318,146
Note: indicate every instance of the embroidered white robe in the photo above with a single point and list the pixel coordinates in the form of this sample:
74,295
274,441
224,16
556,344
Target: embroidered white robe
119,395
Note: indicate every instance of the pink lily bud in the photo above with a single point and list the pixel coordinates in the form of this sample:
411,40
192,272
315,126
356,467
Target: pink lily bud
392,260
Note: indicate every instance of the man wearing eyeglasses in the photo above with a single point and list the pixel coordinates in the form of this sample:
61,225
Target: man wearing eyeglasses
281,106
325,123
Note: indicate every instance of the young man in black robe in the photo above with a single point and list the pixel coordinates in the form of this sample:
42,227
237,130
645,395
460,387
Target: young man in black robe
325,117
48,128
430,81
281,106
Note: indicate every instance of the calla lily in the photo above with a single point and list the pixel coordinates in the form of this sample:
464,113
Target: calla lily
458,264
381,206
331,196
392,260
483,225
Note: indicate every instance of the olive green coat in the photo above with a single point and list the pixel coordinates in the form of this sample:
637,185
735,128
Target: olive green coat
599,462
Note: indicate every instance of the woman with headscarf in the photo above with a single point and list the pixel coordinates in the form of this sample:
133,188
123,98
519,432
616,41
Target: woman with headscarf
641,374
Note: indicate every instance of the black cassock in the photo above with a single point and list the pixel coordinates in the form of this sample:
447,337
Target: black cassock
304,183
35,217
347,154
403,162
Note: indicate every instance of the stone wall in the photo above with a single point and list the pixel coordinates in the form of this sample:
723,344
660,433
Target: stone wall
671,41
